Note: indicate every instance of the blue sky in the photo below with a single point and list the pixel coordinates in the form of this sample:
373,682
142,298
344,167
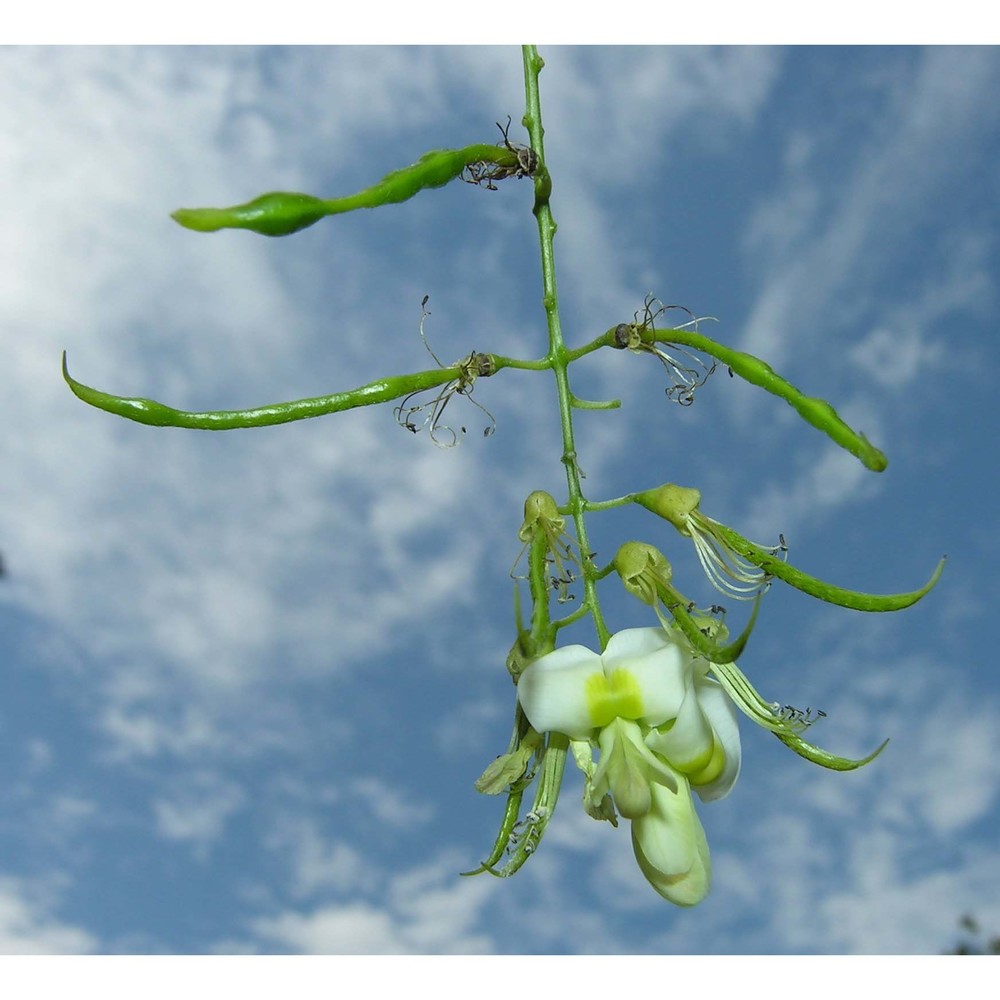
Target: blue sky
249,678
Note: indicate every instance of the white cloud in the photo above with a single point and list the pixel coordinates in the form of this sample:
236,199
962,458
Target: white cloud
427,910
389,805
198,810
889,912
317,864
351,929
948,770
459,731
895,358
936,102
27,926
907,344
68,813
830,480
145,729
40,755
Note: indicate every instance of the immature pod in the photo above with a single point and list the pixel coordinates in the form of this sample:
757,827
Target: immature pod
813,410
276,214
281,213
857,600
148,411
824,758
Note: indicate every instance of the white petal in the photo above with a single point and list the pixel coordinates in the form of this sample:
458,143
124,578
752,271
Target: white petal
689,740
552,691
683,887
666,834
634,642
623,767
654,768
721,713
661,665
688,889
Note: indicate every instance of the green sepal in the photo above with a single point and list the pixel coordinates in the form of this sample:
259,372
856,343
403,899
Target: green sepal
507,769
787,573
522,734
823,757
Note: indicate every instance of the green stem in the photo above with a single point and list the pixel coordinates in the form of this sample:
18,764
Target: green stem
558,356
532,366
611,504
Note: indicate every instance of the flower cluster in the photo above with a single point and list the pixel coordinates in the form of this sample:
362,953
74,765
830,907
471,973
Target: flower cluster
663,727
659,705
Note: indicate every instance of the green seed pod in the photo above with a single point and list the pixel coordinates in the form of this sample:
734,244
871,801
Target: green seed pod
148,411
817,412
823,757
281,213
276,214
857,600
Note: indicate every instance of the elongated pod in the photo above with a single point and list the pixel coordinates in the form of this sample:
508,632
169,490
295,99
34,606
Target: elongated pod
281,213
817,412
148,411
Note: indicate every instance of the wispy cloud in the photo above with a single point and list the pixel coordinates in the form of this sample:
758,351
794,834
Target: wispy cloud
317,864
938,99
27,926
198,810
423,910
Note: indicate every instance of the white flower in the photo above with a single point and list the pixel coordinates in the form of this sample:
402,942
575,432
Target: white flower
663,727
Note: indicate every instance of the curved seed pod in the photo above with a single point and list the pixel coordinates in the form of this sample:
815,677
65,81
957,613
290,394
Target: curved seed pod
857,600
281,213
823,757
148,411
817,412
753,706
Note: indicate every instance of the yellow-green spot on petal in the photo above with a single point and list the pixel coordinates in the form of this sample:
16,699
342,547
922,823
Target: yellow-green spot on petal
616,695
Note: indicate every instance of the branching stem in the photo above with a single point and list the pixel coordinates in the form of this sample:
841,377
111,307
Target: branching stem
558,357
